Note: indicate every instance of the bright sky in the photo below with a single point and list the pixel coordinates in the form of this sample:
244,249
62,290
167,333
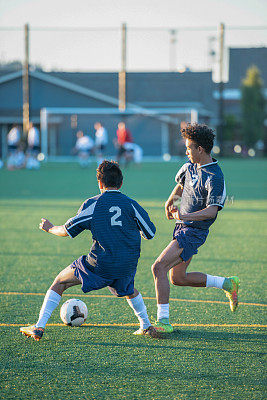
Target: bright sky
146,49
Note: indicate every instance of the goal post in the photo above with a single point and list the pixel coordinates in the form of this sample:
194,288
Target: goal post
150,127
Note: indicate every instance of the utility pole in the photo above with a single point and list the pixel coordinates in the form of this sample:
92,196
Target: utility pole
221,86
122,73
173,41
25,78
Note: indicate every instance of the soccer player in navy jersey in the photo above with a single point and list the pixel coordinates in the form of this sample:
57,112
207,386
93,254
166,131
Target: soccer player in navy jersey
200,187
116,222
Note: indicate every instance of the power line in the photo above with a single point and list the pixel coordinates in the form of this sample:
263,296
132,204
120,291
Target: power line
199,28
60,29
162,29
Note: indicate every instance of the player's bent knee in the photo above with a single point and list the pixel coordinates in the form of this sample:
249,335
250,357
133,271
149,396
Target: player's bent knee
58,280
158,268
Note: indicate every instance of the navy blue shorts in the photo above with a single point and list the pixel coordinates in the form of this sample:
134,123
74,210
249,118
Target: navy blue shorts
189,239
90,281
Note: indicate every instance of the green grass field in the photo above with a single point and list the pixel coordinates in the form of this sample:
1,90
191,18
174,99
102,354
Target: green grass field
213,354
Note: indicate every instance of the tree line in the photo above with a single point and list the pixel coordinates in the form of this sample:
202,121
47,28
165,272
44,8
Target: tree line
250,129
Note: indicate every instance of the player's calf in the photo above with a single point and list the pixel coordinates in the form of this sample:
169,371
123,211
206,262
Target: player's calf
179,280
193,279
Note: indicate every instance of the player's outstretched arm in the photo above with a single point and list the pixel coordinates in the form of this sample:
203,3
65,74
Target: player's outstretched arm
175,194
47,226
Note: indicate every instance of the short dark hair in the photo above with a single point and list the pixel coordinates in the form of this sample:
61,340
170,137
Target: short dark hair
109,173
202,135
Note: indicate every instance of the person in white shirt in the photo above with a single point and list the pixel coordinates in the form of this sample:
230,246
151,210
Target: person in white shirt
84,146
101,140
13,139
33,138
135,152
16,156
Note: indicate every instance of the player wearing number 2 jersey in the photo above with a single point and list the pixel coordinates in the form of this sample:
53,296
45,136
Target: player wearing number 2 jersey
116,222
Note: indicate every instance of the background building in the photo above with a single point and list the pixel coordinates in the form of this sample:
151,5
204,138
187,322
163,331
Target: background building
240,59
76,100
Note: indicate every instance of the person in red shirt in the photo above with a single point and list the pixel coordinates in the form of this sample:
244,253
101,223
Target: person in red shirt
123,136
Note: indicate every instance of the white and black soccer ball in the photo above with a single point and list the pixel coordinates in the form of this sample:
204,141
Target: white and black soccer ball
73,312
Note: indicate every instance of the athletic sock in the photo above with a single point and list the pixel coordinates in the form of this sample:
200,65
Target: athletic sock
163,311
138,305
215,281
51,301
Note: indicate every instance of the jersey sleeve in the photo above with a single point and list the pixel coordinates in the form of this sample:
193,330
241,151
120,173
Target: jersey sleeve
81,221
216,189
145,225
180,176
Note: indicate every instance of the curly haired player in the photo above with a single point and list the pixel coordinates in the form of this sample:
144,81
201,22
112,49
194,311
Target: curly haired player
116,222
201,188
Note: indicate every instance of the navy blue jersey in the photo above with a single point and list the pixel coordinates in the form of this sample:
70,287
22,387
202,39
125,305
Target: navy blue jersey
203,186
116,222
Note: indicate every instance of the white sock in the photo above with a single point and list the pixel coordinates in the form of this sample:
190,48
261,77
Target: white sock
215,281
138,305
51,301
163,311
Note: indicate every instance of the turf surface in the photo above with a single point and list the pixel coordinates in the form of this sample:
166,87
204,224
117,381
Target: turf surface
213,354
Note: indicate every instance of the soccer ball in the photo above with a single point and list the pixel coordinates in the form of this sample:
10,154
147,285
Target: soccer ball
73,312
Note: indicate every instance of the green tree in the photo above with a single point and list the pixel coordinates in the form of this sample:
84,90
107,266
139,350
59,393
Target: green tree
231,127
253,106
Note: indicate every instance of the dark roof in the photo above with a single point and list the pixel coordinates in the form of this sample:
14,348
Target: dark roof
149,87
103,82
240,59
4,72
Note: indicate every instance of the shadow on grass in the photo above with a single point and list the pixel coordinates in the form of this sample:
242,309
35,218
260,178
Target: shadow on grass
187,337
223,336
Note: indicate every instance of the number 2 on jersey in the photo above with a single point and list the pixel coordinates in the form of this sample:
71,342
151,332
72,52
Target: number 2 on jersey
114,218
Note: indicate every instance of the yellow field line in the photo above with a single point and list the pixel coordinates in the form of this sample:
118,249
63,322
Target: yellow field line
181,325
146,298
